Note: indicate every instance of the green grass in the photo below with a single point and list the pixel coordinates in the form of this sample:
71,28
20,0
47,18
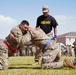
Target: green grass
23,66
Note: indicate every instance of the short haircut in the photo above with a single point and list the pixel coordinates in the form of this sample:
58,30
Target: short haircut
25,22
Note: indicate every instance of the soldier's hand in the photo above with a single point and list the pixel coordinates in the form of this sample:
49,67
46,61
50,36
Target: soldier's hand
30,28
55,39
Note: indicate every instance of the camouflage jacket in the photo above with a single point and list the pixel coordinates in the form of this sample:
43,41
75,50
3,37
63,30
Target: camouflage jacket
16,31
38,37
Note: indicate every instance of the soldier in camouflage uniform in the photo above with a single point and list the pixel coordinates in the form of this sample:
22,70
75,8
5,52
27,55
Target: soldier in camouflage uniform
18,38
47,23
50,52
11,44
38,51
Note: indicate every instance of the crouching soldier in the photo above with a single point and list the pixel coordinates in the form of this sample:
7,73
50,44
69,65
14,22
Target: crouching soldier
10,45
49,48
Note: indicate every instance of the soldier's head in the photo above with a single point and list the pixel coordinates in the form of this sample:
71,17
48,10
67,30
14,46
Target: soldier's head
45,10
24,26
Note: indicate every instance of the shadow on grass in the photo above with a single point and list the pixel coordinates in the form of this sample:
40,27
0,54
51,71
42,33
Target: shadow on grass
39,68
22,64
24,67
29,66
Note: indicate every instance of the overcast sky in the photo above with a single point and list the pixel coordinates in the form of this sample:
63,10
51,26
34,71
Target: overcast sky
12,12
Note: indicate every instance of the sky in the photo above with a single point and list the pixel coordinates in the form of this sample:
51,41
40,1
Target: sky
12,12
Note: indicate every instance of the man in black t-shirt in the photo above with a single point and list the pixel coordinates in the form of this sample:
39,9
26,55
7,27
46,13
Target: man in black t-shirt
46,22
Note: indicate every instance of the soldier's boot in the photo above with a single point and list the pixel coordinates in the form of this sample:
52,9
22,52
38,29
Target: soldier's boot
67,63
73,61
36,60
35,63
37,57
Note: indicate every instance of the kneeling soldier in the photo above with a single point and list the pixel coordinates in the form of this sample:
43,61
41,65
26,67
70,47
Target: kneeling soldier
49,48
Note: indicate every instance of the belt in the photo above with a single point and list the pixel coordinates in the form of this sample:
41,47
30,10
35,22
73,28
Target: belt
49,41
10,48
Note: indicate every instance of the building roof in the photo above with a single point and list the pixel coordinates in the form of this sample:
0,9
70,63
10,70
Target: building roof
69,34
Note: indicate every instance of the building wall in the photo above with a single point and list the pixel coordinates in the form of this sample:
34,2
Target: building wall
69,41
61,40
66,40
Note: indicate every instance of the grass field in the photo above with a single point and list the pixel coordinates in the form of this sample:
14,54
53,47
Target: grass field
23,66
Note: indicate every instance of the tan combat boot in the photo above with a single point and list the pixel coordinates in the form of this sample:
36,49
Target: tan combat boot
67,63
35,63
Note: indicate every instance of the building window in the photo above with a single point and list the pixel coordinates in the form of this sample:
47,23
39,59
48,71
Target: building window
69,39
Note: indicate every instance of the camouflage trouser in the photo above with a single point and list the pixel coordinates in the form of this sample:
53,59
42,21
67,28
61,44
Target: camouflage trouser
38,54
38,51
49,56
3,57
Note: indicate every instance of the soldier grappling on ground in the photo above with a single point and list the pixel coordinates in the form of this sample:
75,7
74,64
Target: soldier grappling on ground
49,48
10,45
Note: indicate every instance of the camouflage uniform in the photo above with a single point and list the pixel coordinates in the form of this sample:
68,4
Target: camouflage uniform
67,49
39,38
3,57
38,51
4,51
70,50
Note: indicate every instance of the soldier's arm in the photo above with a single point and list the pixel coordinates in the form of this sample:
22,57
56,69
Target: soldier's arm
19,38
24,39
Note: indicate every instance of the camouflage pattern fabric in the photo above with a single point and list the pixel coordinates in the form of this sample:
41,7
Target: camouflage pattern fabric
74,43
4,51
21,41
49,57
3,57
21,38
39,38
38,53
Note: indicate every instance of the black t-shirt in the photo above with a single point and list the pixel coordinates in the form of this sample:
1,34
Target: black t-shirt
46,23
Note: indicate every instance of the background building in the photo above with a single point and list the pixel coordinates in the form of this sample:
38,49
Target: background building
67,38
